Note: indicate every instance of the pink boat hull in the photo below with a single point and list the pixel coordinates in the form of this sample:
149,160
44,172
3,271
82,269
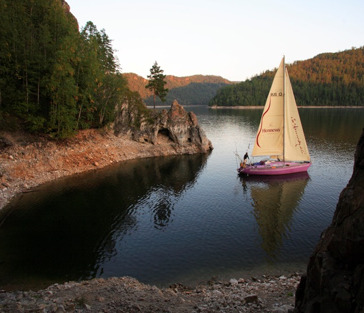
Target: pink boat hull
275,168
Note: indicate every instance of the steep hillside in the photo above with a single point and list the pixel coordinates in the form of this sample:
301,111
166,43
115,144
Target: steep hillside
137,83
327,79
196,89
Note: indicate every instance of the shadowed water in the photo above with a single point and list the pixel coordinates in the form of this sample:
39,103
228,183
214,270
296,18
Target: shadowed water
182,219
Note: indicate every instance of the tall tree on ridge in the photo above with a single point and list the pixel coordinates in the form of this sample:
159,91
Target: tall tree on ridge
156,83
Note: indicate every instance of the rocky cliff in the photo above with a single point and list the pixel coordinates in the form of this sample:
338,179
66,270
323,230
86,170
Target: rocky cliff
175,127
335,273
27,161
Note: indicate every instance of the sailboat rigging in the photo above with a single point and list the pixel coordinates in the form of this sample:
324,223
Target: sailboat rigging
280,134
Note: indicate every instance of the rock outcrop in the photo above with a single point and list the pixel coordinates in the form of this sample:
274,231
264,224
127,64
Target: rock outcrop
176,127
335,273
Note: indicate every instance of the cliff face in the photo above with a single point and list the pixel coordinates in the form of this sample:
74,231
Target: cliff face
335,273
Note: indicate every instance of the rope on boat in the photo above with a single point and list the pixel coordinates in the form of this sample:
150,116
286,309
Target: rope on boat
237,157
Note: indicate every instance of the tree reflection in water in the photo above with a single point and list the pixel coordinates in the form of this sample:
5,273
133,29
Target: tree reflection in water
67,229
162,210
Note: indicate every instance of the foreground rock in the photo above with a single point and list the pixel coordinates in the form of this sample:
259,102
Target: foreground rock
335,273
269,294
27,161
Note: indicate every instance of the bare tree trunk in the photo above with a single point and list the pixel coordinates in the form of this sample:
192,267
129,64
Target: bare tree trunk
26,88
79,116
38,93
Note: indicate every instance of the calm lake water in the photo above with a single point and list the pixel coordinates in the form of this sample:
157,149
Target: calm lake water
182,219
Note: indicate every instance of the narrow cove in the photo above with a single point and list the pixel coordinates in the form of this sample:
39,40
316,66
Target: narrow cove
181,219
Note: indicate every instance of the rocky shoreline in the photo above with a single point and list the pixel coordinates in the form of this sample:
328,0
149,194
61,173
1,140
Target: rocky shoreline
125,294
27,161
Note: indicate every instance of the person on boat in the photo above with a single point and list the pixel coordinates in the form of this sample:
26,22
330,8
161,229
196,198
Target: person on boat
246,157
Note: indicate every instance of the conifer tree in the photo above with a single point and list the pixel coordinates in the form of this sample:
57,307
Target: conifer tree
156,83
53,78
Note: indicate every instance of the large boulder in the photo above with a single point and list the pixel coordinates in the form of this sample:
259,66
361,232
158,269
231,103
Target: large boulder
335,273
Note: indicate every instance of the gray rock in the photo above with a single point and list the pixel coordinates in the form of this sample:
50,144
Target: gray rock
335,273
251,299
175,126
233,282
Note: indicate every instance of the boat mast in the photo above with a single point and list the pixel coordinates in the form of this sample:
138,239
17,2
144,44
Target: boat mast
284,107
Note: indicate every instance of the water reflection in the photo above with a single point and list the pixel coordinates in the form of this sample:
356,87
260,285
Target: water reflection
74,224
334,125
274,201
170,220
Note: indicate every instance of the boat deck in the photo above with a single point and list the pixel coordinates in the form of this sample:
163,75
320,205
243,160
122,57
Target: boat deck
274,168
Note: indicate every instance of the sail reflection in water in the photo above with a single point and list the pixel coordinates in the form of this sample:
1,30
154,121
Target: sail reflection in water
275,200
69,229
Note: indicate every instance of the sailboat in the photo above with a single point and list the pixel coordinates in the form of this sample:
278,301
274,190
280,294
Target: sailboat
280,135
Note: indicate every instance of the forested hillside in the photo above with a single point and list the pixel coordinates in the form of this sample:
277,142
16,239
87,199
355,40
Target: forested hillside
196,89
54,78
191,94
333,79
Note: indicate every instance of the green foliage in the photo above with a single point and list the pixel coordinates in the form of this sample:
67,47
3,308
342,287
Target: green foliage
329,79
141,112
156,82
249,93
101,86
53,78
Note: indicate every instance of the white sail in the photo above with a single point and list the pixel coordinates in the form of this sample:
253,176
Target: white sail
269,139
295,141
280,132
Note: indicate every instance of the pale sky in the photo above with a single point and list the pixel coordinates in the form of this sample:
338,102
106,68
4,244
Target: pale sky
235,39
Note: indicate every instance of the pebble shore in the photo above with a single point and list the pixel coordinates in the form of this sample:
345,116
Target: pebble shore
125,294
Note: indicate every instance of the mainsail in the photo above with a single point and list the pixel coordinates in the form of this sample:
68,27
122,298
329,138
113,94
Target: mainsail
280,132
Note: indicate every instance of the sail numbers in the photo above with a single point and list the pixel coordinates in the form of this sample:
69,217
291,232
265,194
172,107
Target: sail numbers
276,94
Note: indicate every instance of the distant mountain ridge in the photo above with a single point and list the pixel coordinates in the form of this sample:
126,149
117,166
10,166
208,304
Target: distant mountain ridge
195,89
328,79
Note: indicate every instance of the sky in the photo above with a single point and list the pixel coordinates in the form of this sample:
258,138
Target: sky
235,39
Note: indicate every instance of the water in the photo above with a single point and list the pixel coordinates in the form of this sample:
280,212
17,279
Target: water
182,219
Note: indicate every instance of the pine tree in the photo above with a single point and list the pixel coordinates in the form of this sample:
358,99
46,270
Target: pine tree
101,85
156,83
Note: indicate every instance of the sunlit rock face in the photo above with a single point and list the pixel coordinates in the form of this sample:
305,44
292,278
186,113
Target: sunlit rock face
335,273
175,127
